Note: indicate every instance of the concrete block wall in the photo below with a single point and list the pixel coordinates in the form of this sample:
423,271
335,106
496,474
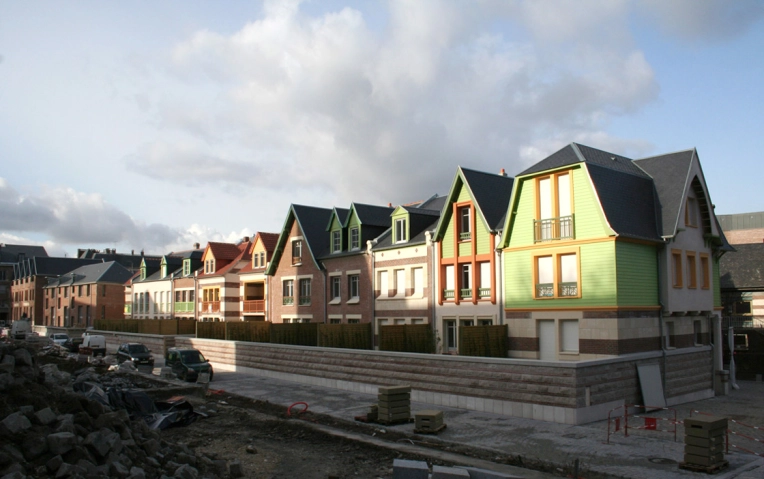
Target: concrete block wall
563,392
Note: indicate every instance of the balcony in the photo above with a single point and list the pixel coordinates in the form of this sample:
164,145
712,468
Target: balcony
448,294
553,229
465,236
288,300
484,292
568,289
210,307
465,293
184,307
296,260
254,306
545,290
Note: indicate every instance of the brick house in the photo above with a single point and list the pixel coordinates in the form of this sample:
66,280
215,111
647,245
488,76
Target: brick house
77,298
297,278
218,283
348,263
254,286
10,254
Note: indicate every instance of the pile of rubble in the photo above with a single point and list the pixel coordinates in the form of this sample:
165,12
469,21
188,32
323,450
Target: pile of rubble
52,425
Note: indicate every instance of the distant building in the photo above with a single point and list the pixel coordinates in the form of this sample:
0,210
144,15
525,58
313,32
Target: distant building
10,254
743,228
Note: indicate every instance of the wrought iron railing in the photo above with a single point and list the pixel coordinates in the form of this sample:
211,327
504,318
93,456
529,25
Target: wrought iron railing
304,300
545,290
288,300
296,260
465,236
553,229
568,289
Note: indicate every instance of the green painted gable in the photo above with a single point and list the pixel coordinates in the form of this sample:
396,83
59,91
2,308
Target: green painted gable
400,213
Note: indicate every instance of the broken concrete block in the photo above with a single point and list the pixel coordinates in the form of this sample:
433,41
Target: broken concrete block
16,422
45,416
61,442
441,472
405,469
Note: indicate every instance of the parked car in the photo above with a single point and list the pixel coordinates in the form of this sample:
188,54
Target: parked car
59,338
93,344
72,344
187,363
137,353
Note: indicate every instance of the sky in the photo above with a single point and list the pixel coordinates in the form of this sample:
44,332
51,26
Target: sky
151,126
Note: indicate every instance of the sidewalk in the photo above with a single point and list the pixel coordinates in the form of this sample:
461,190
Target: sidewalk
642,455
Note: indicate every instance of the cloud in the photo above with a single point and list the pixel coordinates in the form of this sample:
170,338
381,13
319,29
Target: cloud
69,217
704,20
376,115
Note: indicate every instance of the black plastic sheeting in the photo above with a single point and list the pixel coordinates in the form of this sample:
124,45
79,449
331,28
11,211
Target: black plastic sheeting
174,412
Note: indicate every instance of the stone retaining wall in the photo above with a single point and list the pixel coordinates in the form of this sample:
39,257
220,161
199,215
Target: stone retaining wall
563,392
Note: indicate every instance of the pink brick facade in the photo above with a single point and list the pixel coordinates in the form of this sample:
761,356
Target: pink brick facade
346,309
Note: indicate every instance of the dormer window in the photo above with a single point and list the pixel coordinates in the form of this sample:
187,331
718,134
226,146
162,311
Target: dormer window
400,230
186,267
355,238
255,260
143,272
465,223
209,266
336,241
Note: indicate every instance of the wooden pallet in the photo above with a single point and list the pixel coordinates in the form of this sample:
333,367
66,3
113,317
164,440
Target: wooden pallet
429,431
712,469
393,422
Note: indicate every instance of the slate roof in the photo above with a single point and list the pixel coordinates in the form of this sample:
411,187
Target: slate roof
9,253
49,266
743,270
491,193
109,272
629,202
312,221
576,153
269,241
371,215
423,217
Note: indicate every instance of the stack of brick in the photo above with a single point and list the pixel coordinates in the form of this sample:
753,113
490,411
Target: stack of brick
394,404
704,443
428,422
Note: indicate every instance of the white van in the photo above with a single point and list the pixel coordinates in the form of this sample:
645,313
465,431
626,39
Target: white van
20,328
93,344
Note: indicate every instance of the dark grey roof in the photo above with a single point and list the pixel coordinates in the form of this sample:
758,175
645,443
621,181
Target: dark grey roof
491,193
312,221
669,173
435,203
576,153
110,272
628,202
49,266
744,269
371,215
13,253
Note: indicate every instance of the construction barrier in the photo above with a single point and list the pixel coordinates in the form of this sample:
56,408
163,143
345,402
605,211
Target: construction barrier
743,431
649,423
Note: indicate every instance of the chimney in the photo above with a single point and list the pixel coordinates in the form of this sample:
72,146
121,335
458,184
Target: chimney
502,172
196,245
245,239
389,205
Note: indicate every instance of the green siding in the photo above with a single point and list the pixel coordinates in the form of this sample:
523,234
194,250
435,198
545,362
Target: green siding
597,281
483,238
447,244
522,226
464,193
353,220
637,267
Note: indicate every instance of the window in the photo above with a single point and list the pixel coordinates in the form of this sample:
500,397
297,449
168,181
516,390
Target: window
296,252
103,290
569,336
400,230
304,291
555,210
87,290
465,223
384,288
335,321
557,276
255,260
466,281
704,271
448,292
485,280
79,290
400,282
262,258
336,291
288,292
355,239
676,268
336,241
186,267
450,328
697,329
417,281
353,286
691,213
354,321
692,273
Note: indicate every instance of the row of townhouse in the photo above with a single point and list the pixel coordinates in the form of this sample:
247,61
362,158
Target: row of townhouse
586,254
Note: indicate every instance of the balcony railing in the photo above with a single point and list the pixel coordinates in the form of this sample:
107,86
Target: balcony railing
553,229
184,307
545,290
304,300
288,300
465,293
210,306
484,292
568,289
296,260
254,306
448,293
465,236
